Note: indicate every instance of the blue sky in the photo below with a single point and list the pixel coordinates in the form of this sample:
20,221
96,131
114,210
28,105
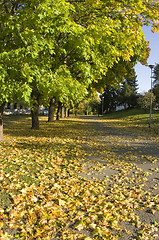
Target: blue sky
143,73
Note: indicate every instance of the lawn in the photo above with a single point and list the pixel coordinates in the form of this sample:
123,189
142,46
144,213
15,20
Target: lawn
43,194
136,120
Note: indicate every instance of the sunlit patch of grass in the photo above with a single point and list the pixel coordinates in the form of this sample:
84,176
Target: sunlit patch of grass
136,120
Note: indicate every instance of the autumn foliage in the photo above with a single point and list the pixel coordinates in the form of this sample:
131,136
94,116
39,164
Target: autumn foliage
48,191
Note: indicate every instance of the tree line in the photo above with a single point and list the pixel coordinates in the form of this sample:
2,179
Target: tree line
58,50
127,94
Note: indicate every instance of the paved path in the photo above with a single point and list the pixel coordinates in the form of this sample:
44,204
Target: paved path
139,153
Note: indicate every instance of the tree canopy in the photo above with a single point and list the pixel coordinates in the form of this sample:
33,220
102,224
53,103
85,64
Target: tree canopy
72,43
38,37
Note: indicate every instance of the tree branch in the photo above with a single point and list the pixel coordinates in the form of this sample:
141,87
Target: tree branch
5,6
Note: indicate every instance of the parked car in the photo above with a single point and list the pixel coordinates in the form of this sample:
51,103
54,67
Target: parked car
46,111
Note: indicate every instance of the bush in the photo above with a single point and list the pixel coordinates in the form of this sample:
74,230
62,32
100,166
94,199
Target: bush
144,100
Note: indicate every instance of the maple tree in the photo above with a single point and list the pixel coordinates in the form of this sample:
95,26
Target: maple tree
30,33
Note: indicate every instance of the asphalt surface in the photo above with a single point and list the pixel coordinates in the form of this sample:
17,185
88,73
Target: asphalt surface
130,147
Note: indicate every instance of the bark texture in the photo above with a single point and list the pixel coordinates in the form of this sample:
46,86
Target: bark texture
35,109
51,110
35,117
66,112
58,111
62,112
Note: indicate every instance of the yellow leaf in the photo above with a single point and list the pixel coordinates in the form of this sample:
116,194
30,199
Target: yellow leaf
62,202
92,225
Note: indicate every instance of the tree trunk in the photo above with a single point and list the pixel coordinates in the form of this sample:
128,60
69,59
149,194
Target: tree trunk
35,117
62,112
51,110
58,111
66,112
1,121
35,109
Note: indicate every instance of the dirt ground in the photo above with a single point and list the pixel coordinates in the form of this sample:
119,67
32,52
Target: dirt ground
129,147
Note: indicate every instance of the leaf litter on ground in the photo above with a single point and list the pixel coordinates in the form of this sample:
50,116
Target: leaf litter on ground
51,188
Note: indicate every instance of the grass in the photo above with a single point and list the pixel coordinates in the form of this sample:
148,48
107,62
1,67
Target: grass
137,120
42,194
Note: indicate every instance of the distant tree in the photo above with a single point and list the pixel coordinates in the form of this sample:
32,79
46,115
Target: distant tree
90,105
125,94
156,75
156,82
144,100
156,93
109,100
128,92
95,106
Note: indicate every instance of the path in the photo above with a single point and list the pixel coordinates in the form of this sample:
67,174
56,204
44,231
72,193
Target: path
121,152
